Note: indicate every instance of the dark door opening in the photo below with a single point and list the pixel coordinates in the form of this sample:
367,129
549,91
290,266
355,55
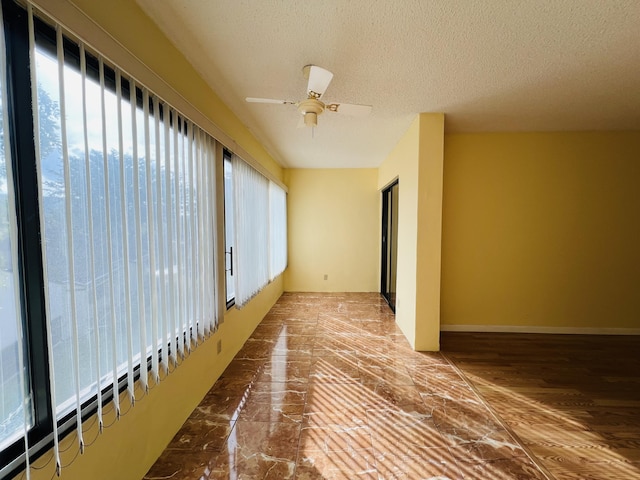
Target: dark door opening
389,267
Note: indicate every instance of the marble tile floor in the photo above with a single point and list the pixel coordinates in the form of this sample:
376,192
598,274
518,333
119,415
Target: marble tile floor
327,388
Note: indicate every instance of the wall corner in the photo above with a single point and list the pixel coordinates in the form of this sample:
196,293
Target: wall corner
429,233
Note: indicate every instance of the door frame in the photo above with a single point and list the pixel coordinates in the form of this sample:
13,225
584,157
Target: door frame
385,240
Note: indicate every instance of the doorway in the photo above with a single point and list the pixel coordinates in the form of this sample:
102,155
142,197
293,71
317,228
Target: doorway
389,266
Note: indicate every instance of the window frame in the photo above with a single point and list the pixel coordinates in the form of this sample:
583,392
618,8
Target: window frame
228,250
21,128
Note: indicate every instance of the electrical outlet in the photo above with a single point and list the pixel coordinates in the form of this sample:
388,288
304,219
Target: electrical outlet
219,346
326,277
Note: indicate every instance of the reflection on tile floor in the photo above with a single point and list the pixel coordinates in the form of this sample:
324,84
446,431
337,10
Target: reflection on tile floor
328,388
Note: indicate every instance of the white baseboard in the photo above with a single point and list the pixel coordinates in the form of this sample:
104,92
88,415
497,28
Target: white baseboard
536,329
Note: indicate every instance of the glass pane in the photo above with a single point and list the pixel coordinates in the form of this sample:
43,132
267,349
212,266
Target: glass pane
121,218
390,244
229,231
277,230
12,415
54,208
98,306
141,187
393,240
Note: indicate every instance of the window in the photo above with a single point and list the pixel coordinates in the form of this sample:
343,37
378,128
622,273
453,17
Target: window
277,230
251,223
260,230
229,230
107,236
13,376
120,187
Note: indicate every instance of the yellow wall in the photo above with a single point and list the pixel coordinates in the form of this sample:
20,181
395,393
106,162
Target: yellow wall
430,171
129,25
416,162
129,447
334,230
402,164
542,229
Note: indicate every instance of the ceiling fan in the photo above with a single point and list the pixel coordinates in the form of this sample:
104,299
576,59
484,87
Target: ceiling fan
312,106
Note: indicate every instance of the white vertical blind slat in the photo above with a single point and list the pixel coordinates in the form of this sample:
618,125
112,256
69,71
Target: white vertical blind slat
36,127
209,240
92,261
190,244
152,245
209,244
141,321
202,233
184,273
215,221
107,190
125,249
198,224
188,231
170,238
212,294
162,300
69,227
203,238
179,162
209,290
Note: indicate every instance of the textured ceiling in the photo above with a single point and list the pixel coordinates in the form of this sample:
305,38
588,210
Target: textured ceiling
492,65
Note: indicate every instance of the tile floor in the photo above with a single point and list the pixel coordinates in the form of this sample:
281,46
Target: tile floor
328,388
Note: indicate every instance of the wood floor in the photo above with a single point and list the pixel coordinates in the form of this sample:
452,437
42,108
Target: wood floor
572,401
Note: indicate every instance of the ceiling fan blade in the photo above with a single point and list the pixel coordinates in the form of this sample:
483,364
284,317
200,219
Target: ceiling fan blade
319,80
350,109
269,100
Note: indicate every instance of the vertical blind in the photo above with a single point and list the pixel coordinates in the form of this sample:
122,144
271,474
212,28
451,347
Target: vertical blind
251,220
260,230
278,230
126,190
121,190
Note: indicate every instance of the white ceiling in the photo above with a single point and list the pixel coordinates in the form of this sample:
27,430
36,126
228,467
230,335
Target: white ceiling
492,65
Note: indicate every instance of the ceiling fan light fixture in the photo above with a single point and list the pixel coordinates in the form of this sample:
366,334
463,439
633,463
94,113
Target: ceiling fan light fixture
311,119
310,109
